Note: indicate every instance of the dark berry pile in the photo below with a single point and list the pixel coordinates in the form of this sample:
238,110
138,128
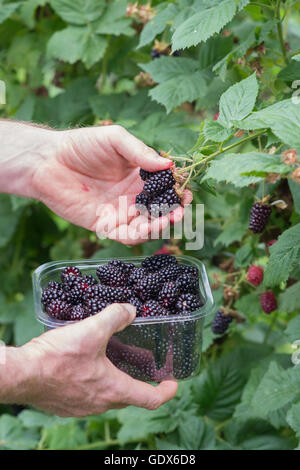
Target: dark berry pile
159,287
159,194
259,217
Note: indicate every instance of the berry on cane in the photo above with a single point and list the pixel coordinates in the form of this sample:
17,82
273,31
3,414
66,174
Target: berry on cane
255,275
159,182
221,322
268,301
164,203
259,217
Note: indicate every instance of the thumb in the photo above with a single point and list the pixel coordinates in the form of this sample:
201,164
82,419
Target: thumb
138,153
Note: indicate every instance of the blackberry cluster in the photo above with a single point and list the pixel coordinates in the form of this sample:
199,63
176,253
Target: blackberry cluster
221,322
259,217
160,287
158,194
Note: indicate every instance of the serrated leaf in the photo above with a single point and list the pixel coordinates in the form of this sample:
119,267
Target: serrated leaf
166,68
79,12
13,436
290,73
285,255
277,388
232,231
213,130
77,43
293,418
235,167
114,21
293,329
173,93
238,101
203,25
64,437
157,24
243,256
287,129
7,9
195,434
289,300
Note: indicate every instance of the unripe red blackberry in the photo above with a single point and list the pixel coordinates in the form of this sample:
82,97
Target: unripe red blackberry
221,322
156,262
255,275
268,301
159,182
164,203
259,217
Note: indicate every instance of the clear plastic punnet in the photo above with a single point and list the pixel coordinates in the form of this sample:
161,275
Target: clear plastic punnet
150,349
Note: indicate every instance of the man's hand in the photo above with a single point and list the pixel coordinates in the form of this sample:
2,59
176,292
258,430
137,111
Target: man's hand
88,172
71,375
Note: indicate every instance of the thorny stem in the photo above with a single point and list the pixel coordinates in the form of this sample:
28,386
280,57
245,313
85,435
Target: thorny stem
222,150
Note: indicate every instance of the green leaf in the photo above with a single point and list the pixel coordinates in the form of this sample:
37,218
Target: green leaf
293,329
77,43
219,387
64,437
7,9
238,101
14,436
287,129
166,68
195,434
114,21
157,24
235,167
285,255
9,219
296,57
293,418
203,25
295,190
26,327
232,231
277,388
28,9
36,419
243,256
213,130
290,73
289,300
79,12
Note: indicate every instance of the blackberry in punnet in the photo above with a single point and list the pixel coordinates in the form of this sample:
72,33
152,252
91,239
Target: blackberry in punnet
187,283
136,302
259,217
255,275
188,303
170,272
164,203
79,312
80,286
69,273
136,274
268,301
124,267
142,201
53,291
221,322
94,306
190,270
159,182
112,275
156,262
152,308
148,287
59,309
168,295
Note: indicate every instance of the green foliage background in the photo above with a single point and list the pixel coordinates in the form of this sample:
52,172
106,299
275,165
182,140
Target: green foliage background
73,63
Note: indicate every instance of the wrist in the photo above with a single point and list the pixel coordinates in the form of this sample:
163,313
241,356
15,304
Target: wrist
20,376
24,147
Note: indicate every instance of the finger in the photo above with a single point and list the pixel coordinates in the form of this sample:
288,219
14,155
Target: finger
136,152
148,396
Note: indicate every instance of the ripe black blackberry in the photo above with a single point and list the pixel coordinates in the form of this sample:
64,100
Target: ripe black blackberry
59,309
94,306
136,302
221,322
124,267
53,291
136,274
188,303
156,262
168,295
69,273
170,272
155,54
152,308
187,283
159,182
164,203
79,286
148,287
259,217
144,174
190,270
111,275
79,312
107,294
142,201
